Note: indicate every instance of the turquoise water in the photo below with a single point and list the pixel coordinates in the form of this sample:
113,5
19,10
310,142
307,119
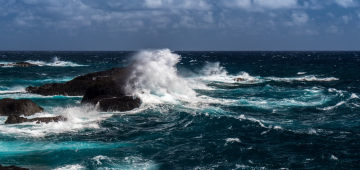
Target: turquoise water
294,110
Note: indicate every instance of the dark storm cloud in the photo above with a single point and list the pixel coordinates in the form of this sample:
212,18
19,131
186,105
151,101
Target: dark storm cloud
179,24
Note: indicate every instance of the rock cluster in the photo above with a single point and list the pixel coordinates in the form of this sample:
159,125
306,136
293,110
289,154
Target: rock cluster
105,89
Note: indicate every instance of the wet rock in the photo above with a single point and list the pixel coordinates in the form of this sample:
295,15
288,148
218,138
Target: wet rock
12,167
239,79
13,119
118,104
24,64
18,107
109,97
79,85
106,88
18,64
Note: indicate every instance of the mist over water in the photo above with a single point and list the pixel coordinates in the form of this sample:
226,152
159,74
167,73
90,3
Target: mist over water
200,110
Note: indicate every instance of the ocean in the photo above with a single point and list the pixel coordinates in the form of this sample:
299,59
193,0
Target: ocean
289,110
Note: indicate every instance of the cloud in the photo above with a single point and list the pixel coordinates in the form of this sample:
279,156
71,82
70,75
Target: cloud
333,29
346,18
346,3
261,5
178,4
299,18
244,4
276,4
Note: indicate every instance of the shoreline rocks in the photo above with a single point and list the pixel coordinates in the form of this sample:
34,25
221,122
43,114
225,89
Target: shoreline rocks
12,167
18,64
13,119
18,107
106,89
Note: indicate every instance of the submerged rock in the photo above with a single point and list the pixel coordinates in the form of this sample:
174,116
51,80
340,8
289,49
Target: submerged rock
239,79
12,167
12,119
18,107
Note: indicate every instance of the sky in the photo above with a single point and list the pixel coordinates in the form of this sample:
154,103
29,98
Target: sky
190,25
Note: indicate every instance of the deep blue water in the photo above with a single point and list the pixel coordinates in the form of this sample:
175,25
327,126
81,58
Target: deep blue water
294,110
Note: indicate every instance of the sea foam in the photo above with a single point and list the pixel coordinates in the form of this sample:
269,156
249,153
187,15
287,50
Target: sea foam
155,78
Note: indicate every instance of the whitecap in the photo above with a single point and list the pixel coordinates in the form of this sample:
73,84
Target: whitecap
333,157
232,140
56,62
100,158
335,106
354,96
71,167
303,78
78,118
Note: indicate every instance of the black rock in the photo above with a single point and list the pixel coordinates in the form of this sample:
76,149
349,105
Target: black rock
24,64
78,85
18,64
106,88
18,107
118,104
12,167
13,119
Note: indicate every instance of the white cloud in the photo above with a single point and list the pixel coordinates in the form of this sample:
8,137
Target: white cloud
177,4
346,18
330,14
333,29
299,18
276,4
244,4
346,3
153,3
208,17
313,4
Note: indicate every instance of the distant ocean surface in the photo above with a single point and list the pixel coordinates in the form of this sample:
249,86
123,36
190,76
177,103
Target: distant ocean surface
290,110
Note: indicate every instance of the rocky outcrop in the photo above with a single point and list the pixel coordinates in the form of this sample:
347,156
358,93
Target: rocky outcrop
12,119
18,107
79,85
106,89
107,95
18,64
24,64
12,167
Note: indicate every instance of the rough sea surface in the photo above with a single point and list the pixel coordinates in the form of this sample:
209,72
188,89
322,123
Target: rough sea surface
293,110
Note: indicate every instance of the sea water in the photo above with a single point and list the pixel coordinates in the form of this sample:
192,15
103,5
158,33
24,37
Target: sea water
291,110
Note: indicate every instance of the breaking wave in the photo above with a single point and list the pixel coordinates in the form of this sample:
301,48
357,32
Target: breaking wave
78,118
56,62
155,78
